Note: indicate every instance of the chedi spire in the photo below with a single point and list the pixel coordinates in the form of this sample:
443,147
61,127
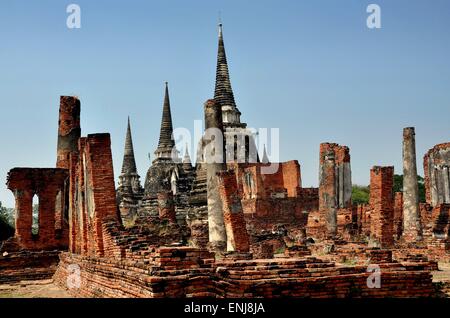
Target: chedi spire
166,143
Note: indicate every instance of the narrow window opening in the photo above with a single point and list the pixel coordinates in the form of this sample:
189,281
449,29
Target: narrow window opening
35,216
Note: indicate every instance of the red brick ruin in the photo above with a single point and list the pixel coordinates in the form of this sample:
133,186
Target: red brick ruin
224,229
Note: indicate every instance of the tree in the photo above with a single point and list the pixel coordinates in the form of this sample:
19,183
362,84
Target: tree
6,222
360,194
398,185
7,214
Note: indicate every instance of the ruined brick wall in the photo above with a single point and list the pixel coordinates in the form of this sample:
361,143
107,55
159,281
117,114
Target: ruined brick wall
309,198
274,197
346,224
28,265
441,221
436,224
436,166
94,195
45,183
251,183
363,219
292,180
382,206
285,182
275,206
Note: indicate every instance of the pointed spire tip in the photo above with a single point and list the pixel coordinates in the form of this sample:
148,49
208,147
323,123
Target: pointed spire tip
220,29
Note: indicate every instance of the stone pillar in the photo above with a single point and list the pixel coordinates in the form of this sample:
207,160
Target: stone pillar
436,163
327,194
237,235
382,207
166,207
445,172
214,158
69,130
411,214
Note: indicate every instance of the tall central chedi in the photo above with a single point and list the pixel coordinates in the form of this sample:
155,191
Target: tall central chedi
223,93
240,147
240,144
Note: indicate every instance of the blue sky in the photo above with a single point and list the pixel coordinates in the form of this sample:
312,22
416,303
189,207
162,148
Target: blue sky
311,68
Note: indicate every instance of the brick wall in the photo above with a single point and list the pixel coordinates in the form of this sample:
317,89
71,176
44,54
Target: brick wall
93,194
28,265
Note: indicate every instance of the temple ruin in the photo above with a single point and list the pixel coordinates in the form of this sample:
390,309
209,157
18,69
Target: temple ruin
223,227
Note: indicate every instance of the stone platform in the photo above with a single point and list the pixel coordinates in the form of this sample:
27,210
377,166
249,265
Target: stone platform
189,272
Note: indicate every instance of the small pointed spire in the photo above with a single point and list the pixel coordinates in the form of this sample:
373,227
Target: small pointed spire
166,142
187,157
187,164
265,158
129,163
223,93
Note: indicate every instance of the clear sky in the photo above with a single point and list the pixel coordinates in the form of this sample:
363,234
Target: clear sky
311,68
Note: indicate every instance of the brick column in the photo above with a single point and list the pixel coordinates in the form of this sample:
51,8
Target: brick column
24,215
382,206
69,130
411,216
99,185
327,190
335,184
73,206
237,235
47,202
398,215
